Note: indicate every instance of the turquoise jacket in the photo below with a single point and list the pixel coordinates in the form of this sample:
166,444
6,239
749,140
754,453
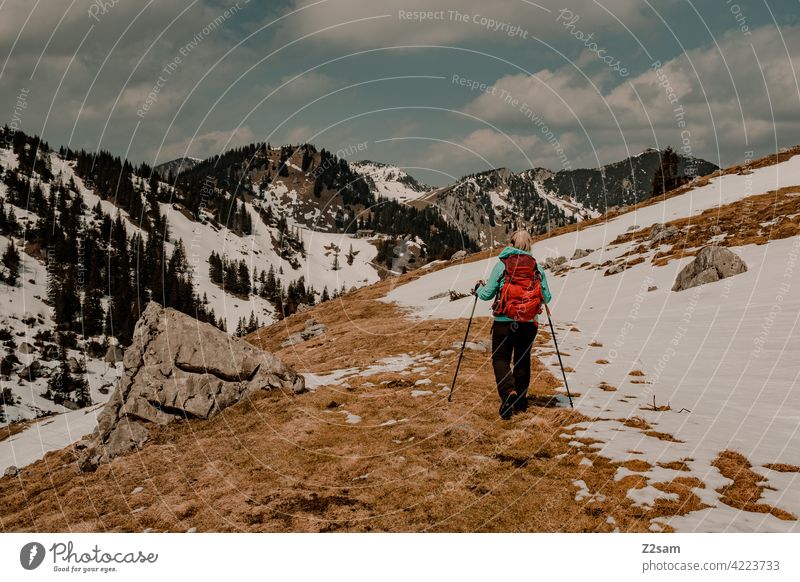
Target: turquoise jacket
494,283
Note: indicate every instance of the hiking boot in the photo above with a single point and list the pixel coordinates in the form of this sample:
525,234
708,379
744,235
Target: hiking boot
521,404
507,407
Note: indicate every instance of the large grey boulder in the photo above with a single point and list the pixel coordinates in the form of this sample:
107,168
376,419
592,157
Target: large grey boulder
458,255
179,368
581,253
711,264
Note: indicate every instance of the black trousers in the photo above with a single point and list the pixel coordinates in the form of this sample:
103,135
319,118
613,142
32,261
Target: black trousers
512,339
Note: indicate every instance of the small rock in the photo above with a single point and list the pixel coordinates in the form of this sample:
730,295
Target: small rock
614,269
12,471
26,348
479,346
458,255
114,354
551,262
191,530
137,490
652,288
661,232
311,329
580,253
301,307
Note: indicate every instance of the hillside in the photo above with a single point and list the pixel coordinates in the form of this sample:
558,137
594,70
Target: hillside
489,205
679,422
239,240
390,182
174,167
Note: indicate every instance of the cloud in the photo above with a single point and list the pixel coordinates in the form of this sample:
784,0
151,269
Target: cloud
206,144
484,148
442,22
693,101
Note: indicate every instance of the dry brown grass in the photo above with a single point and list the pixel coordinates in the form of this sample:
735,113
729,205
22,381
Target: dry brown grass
635,373
783,467
635,422
601,362
595,344
746,490
663,436
17,427
282,463
741,222
675,465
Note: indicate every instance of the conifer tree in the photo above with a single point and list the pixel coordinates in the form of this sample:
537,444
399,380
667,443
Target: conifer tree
11,261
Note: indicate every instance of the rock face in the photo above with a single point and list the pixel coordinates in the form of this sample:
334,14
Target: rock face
176,368
711,264
312,329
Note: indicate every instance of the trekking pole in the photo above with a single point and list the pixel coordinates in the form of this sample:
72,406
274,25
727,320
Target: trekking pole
463,345
555,341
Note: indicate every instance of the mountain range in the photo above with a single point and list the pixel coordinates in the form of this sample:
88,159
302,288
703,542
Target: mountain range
239,240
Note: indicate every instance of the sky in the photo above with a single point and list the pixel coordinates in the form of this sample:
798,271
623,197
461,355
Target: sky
442,89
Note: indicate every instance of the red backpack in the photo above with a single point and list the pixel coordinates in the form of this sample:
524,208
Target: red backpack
520,297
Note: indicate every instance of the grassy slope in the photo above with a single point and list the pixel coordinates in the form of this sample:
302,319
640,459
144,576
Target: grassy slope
279,463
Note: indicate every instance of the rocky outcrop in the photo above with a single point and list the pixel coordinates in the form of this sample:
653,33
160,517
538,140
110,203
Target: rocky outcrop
311,329
458,255
711,264
179,368
551,263
662,232
581,253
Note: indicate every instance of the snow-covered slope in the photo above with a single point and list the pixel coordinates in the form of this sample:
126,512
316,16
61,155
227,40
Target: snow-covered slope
175,167
723,356
24,312
389,181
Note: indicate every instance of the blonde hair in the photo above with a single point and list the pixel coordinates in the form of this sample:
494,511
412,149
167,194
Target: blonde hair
521,240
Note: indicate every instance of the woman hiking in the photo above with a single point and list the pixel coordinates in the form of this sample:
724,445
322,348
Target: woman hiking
518,286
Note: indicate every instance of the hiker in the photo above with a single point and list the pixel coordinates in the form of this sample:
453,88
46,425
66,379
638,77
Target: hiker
518,285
